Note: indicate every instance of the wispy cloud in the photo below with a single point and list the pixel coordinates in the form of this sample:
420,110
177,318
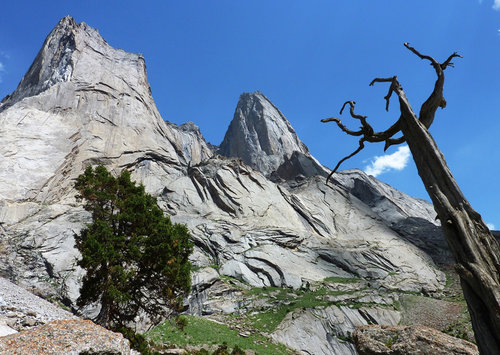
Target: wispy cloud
490,226
496,5
2,69
395,161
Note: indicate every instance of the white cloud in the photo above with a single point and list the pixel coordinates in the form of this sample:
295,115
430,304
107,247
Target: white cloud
490,226
397,161
2,69
496,5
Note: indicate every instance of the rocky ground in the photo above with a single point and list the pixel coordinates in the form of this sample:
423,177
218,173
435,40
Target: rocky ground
323,316
409,340
20,309
69,337
32,325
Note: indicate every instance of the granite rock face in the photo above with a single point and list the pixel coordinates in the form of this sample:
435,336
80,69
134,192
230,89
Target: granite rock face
265,233
324,331
262,215
82,102
70,337
263,138
405,340
21,310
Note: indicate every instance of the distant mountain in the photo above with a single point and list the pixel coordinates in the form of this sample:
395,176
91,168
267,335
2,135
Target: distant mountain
259,211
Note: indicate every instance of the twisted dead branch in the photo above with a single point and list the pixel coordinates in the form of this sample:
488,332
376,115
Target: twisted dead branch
426,116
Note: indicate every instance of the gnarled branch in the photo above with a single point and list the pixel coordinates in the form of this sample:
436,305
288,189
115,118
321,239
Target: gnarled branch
426,116
342,127
365,130
436,98
387,97
361,146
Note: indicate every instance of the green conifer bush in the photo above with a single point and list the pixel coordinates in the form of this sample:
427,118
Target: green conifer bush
136,259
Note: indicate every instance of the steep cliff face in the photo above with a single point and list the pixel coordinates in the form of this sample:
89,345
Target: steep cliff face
82,102
270,221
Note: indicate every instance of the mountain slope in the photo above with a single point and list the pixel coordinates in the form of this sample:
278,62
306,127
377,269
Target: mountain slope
268,220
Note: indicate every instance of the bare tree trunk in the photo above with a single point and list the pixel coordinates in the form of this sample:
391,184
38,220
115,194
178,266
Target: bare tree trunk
476,251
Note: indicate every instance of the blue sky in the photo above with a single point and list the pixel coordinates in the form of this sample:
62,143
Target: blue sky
307,57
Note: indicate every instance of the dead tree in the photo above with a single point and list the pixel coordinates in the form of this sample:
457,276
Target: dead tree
475,250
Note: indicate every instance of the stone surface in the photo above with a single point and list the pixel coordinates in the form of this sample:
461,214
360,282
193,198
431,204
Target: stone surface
406,340
261,136
20,309
266,233
70,337
5,329
286,235
92,105
327,331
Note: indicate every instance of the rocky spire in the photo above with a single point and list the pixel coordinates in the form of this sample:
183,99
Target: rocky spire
85,102
53,63
77,53
261,135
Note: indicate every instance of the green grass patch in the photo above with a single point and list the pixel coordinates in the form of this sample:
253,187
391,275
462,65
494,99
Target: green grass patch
450,281
397,306
341,280
203,332
215,266
391,340
288,301
234,282
266,291
453,291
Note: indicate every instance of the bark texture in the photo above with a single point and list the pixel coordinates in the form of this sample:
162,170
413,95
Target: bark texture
476,251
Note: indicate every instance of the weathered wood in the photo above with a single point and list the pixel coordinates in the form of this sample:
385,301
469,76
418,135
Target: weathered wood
475,250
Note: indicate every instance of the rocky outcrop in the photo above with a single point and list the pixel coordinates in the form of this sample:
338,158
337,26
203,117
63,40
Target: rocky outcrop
21,310
329,330
71,337
272,235
263,138
254,229
413,219
404,340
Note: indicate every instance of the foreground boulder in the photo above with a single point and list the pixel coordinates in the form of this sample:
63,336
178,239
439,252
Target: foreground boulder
408,340
65,337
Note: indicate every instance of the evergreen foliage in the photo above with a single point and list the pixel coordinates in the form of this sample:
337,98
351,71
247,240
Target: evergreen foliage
136,259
